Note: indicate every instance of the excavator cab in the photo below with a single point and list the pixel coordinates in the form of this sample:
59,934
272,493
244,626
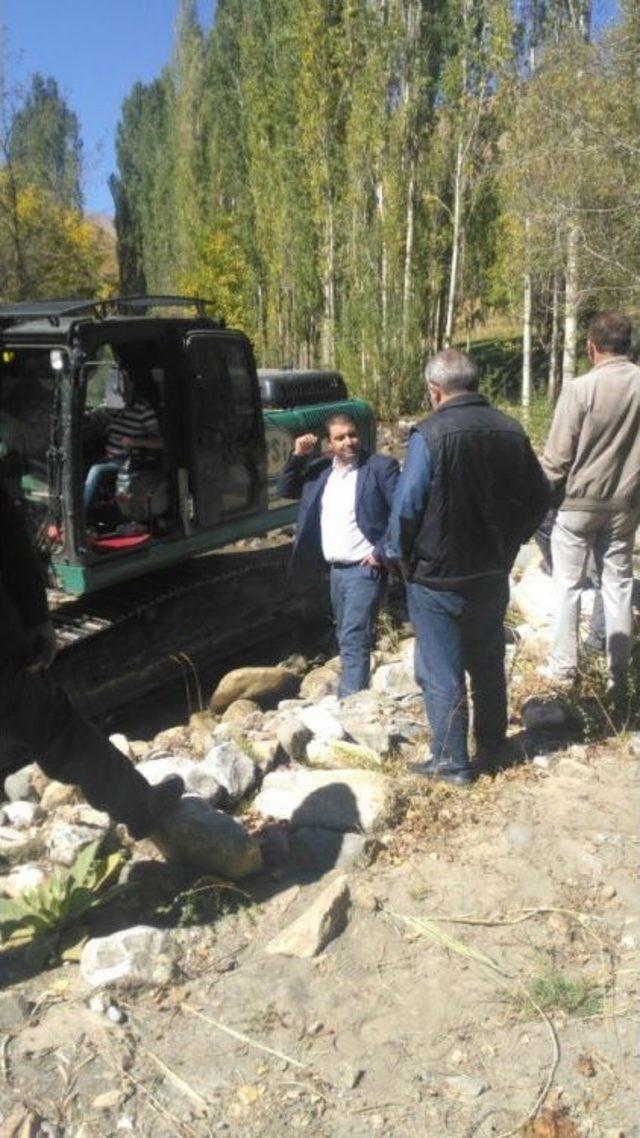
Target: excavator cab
136,434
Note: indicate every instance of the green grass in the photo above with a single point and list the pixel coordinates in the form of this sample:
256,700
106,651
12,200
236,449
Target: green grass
536,420
552,991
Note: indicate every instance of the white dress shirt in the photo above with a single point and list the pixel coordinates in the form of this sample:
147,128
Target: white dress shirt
342,540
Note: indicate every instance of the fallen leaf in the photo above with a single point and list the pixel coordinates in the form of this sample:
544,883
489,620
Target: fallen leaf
586,1066
554,1123
249,1093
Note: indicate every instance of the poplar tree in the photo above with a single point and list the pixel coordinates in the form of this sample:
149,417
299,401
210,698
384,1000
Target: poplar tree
44,143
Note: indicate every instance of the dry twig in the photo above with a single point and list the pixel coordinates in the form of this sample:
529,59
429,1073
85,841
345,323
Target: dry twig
243,1038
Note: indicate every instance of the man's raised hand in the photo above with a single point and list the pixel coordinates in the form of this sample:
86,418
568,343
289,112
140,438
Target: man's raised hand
305,444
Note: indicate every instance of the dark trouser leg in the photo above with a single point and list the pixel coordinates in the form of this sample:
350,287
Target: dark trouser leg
484,647
437,616
99,473
356,595
39,723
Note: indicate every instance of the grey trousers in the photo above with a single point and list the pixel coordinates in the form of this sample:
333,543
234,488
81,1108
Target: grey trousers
610,537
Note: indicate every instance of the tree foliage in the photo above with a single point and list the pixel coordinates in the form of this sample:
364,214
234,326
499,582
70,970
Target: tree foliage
44,143
358,181
47,247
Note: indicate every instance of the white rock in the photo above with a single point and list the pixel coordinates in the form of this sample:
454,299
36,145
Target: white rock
196,834
317,926
463,1086
292,704
122,743
13,841
132,958
534,596
198,779
338,753
65,840
408,653
396,680
359,800
20,784
232,768
293,736
22,814
542,761
267,753
21,878
368,719
321,722
56,794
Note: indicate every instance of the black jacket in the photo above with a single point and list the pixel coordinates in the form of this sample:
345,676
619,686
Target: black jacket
23,600
486,497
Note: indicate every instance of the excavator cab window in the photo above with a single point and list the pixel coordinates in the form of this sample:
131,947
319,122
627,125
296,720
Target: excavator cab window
126,491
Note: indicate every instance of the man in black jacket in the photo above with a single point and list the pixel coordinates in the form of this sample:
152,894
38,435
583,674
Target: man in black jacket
37,720
471,492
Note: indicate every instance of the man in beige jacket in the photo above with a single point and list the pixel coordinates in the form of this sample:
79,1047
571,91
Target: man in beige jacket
592,460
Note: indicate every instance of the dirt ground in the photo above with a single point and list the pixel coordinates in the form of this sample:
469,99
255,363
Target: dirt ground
490,958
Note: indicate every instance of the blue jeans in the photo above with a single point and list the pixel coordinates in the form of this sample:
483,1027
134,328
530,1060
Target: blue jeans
356,595
98,474
458,633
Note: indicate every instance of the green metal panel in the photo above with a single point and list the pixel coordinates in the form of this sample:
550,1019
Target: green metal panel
78,579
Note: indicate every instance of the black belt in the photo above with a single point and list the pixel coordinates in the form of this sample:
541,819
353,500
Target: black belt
344,564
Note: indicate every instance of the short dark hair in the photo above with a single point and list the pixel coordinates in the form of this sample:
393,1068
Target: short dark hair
452,371
610,332
339,417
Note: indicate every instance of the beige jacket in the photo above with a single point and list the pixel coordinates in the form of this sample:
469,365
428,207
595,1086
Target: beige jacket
593,449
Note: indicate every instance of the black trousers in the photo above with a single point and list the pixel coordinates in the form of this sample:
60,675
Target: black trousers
38,723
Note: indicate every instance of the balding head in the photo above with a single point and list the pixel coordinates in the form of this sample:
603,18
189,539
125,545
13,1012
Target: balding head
452,373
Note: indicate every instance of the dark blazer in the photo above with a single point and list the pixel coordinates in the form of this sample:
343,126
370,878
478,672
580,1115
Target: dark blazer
306,479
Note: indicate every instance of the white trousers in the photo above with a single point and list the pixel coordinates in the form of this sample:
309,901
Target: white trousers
609,537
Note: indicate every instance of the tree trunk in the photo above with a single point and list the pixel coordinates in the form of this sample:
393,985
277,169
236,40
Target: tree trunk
408,257
526,330
571,305
328,290
554,375
455,247
384,262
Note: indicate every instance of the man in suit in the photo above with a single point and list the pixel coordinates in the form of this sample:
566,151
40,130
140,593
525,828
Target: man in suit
345,501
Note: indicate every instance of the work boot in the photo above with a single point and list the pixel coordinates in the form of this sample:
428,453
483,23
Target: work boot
444,772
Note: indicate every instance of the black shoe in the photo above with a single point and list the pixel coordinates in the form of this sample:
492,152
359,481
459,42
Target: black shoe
490,753
165,796
440,772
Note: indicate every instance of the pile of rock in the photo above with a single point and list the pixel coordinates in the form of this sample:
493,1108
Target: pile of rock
284,745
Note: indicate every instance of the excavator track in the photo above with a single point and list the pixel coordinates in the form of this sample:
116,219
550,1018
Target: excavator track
123,644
